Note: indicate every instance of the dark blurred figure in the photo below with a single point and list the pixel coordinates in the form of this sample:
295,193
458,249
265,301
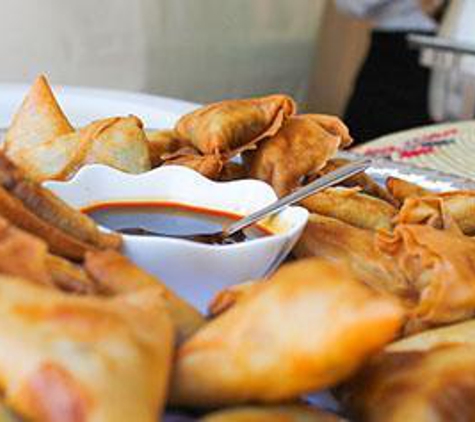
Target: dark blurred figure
391,89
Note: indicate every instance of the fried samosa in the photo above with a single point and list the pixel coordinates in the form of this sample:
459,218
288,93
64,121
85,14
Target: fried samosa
232,126
42,142
163,142
457,206
427,210
119,142
116,274
346,245
307,328
23,255
352,207
228,297
437,385
461,206
232,171
335,126
75,358
208,165
39,120
440,267
57,159
460,333
70,277
281,413
361,180
295,152
33,208
402,189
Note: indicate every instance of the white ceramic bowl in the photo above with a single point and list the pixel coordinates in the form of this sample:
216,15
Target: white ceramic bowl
195,271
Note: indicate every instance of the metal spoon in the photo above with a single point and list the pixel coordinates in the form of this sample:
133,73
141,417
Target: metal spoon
234,232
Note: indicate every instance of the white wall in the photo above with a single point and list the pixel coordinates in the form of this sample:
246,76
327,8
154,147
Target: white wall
199,50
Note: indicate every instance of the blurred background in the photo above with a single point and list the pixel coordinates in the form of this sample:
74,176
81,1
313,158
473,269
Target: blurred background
199,50
207,50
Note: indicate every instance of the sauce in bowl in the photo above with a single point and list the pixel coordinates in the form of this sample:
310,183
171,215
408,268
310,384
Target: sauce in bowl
170,219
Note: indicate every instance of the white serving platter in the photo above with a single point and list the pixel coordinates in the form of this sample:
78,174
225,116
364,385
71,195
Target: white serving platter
82,105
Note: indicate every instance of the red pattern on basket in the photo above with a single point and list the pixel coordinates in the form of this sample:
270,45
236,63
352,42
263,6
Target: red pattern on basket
425,144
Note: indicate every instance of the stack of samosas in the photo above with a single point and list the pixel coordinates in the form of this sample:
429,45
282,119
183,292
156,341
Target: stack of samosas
378,306
276,145
113,343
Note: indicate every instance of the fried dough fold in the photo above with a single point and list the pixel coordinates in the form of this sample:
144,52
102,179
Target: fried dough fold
232,126
119,142
298,150
69,358
209,165
228,297
23,255
402,189
163,142
459,206
440,267
346,245
26,256
275,344
427,210
38,121
437,385
352,207
116,274
31,207
460,333
233,171
45,146
361,180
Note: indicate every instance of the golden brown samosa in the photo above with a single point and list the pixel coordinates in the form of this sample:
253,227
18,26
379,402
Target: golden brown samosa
457,206
362,180
278,413
208,165
295,152
233,171
402,189
116,274
75,358
162,142
439,266
51,208
307,328
33,208
427,210
460,333
336,126
437,385
119,142
58,241
70,277
346,245
352,207
228,297
23,255
38,123
232,126
460,205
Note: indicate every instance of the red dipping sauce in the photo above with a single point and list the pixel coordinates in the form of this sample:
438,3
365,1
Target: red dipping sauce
169,219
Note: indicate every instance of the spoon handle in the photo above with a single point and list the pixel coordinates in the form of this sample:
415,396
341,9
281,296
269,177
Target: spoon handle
317,185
